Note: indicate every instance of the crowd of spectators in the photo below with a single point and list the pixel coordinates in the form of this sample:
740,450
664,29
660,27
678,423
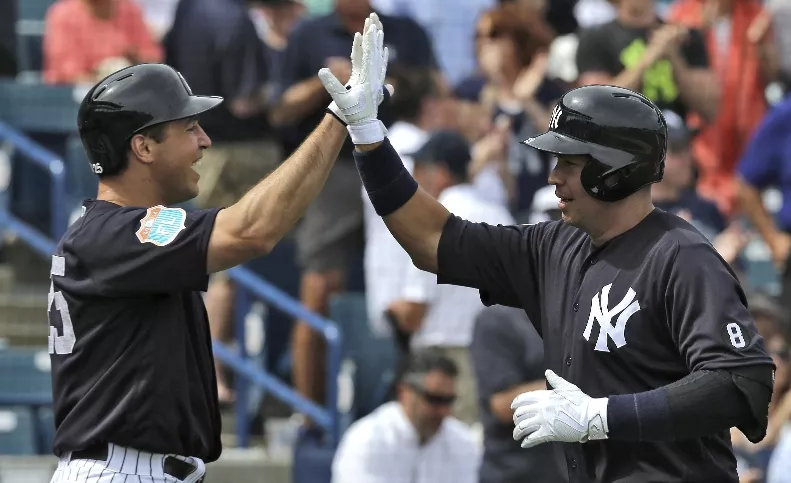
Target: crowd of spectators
472,79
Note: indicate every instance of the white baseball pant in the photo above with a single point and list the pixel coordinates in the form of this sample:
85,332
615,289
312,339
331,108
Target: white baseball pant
124,465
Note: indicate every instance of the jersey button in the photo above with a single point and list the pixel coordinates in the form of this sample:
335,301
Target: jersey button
568,361
573,464
576,307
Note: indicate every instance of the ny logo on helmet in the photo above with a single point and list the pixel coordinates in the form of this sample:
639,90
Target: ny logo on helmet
555,119
603,315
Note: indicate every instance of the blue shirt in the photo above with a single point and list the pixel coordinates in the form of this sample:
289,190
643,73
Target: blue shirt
314,40
766,162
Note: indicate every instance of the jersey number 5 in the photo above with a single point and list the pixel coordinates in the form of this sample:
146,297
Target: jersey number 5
59,344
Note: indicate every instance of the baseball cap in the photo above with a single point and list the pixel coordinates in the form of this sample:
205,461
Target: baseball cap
446,147
678,134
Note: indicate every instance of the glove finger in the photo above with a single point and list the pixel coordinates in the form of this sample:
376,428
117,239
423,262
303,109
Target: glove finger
387,92
539,437
525,430
357,54
527,398
369,47
376,21
558,382
524,412
330,82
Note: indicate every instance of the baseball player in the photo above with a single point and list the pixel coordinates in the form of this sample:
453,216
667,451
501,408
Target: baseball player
652,354
134,389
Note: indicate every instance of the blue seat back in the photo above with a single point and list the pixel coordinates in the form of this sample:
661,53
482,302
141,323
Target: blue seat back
375,357
25,373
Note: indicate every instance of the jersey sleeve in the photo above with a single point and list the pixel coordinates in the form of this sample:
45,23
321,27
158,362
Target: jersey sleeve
138,250
493,259
707,312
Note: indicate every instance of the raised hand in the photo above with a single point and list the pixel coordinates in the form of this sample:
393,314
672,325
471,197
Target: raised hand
357,103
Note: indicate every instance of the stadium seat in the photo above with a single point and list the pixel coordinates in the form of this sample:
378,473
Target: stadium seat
39,108
25,376
375,358
17,431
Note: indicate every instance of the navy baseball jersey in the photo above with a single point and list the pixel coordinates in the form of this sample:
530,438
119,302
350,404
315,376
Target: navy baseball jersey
129,340
636,313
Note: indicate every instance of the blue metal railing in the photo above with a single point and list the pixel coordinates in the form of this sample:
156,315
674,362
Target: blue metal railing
326,417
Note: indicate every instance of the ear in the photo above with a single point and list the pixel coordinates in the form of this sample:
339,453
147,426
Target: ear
142,148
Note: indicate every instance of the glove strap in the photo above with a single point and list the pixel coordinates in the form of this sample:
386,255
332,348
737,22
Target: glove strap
367,132
597,419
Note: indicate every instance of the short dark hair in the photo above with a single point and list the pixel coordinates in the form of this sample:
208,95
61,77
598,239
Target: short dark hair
412,86
423,361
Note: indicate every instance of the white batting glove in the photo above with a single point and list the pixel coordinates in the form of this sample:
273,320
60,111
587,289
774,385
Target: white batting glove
564,413
357,103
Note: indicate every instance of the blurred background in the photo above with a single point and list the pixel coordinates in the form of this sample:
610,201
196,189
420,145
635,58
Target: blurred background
335,339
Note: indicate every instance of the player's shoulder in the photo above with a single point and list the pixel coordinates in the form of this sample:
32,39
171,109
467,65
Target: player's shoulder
104,224
676,237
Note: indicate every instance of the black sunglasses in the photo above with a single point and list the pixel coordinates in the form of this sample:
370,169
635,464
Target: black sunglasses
433,399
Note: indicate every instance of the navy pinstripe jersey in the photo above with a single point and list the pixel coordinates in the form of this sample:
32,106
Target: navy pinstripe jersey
129,339
636,313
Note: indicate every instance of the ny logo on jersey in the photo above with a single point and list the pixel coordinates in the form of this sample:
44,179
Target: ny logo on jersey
555,119
601,313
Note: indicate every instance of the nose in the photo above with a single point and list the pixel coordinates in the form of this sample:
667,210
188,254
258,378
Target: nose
555,177
204,142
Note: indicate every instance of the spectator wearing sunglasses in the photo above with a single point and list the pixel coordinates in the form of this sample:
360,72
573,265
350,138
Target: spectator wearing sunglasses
413,438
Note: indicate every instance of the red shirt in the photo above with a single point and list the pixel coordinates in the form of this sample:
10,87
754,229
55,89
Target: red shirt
76,41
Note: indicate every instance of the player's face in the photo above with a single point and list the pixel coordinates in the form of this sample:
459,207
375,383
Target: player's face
576,206
427,406
176,157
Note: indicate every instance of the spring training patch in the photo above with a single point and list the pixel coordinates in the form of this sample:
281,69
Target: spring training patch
161,225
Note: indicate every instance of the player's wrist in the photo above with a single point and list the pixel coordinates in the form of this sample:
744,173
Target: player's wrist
597,419
370,131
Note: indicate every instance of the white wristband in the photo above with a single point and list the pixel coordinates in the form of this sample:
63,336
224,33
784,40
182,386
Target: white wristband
367,132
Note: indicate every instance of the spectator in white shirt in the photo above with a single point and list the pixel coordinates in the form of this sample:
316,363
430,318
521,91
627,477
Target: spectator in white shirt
442,316
413,439
385,261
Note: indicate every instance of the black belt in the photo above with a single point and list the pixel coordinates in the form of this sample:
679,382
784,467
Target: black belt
171,466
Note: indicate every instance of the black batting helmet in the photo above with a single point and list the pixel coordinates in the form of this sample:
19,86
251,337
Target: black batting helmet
622,131
129,101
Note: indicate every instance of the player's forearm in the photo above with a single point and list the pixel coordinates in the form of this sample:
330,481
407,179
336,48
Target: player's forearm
269,210
701,404
697,87
298,102
632,77
415,219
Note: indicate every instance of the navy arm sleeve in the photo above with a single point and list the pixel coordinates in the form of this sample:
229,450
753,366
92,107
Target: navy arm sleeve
707,315
131,251
496,260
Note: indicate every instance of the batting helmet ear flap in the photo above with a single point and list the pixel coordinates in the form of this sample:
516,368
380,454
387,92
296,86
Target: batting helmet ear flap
606,184
105,160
